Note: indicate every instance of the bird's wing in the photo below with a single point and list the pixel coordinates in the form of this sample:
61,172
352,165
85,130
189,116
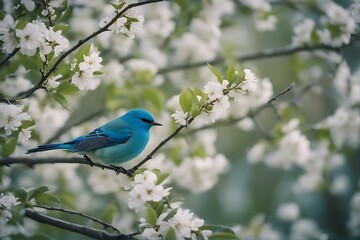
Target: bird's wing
112,133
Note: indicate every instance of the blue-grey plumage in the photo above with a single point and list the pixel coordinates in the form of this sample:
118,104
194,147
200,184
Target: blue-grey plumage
115,142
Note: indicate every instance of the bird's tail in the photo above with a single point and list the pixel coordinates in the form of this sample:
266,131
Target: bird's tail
54,146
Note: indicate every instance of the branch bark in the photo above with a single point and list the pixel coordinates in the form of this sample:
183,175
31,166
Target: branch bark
266,53
72,227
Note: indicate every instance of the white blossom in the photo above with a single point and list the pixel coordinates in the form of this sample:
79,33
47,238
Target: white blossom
7,34
250,83
84,80
303,32
52,83
288,211
305,229
145,190
200,174
29,5
344,126
11,117
180,117
13,86
91,62
215,90
355,11
265,23
30,38
54,41
184,222
7,202
339,185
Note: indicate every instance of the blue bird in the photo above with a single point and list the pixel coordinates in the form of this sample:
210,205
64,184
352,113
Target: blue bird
115,142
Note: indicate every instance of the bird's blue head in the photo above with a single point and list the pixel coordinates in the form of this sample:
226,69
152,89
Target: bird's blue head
140,118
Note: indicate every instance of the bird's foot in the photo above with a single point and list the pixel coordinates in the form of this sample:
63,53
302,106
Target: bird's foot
89,160
118,170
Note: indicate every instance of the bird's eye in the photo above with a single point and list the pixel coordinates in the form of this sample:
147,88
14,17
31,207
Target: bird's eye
145,120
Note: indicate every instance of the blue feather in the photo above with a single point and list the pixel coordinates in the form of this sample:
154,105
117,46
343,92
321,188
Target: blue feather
115,142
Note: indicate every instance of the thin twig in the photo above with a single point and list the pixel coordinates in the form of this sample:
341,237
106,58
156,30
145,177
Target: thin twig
37,86
267,53
9,56
106,225
72,227
253,113
160,145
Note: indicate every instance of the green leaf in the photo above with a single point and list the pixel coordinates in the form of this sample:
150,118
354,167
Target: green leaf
223,235
170,235
186,100
216,73
220,232
98,73
170,214
9,147
81,53
28,123
162,177
61,100
151,216
35,192
46,198
232,75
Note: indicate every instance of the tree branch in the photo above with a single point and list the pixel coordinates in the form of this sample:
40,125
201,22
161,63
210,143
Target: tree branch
252,113
37,86
267,53
7,161
72,227
7,58
105,225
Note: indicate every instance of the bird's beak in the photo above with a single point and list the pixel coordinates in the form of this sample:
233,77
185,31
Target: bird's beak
155,124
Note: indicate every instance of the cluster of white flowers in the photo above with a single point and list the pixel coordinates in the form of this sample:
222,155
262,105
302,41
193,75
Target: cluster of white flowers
146,189
303,32
184,222
344,126
8,34
13,85
354,221
49,8
84,78
200,174
7,202
35,36
219,95
337,27
293,148
258,228
44,115
306,229
355,11
264,20
202,41
11,117
127,24
288,212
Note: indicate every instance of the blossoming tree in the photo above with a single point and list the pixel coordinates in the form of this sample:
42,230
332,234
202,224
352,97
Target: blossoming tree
259,101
